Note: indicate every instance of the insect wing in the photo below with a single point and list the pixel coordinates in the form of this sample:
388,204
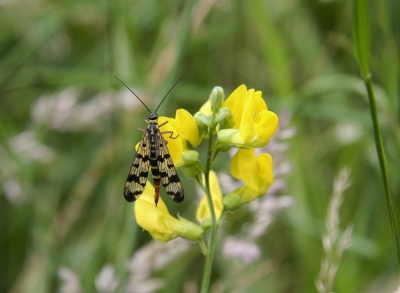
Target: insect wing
137,177
169,177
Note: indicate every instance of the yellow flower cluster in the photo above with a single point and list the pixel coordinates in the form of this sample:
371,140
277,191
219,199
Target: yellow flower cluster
242,121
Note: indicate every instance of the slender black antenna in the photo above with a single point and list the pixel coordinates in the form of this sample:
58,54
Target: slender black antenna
142,101
133,93
169,92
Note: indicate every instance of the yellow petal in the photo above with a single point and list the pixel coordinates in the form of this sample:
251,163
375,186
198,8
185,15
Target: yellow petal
189,130
248,168
156,220
172,136
235,103
206,108
203,211
247,131
264,168
256,173
260,103
248,195
266,124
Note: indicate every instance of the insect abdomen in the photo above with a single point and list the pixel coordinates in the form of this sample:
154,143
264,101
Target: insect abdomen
155,171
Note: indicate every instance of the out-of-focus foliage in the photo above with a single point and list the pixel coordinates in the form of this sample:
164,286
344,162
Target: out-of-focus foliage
68,131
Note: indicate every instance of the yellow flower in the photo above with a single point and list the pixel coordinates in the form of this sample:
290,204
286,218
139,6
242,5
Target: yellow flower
254,124
203,210
158,221
255,172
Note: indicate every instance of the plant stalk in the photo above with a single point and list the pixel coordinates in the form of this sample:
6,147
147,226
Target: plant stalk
205,284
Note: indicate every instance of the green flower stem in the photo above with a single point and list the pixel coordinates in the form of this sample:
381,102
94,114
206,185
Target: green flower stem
202,246
205,284
382,163
200,182
214,157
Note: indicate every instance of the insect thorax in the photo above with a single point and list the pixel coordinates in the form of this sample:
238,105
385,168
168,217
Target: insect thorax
153,124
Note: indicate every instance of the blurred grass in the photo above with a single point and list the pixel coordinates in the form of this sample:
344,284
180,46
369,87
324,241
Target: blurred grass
69,210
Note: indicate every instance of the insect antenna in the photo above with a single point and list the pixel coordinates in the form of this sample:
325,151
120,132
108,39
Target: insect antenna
134,94
142,101
169,92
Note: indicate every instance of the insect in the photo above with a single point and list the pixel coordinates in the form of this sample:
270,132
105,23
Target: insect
153,154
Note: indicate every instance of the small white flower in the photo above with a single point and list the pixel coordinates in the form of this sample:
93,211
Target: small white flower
106,281
70,281
30,149
247,251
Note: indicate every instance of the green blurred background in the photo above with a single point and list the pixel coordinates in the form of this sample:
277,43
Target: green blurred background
68,131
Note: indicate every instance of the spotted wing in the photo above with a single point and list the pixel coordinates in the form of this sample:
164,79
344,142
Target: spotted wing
169,177
137,177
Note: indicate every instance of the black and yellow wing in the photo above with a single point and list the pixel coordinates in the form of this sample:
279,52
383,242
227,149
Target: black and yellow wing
137,177
169,177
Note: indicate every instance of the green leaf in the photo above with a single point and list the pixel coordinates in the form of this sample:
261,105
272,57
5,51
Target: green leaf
362,35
